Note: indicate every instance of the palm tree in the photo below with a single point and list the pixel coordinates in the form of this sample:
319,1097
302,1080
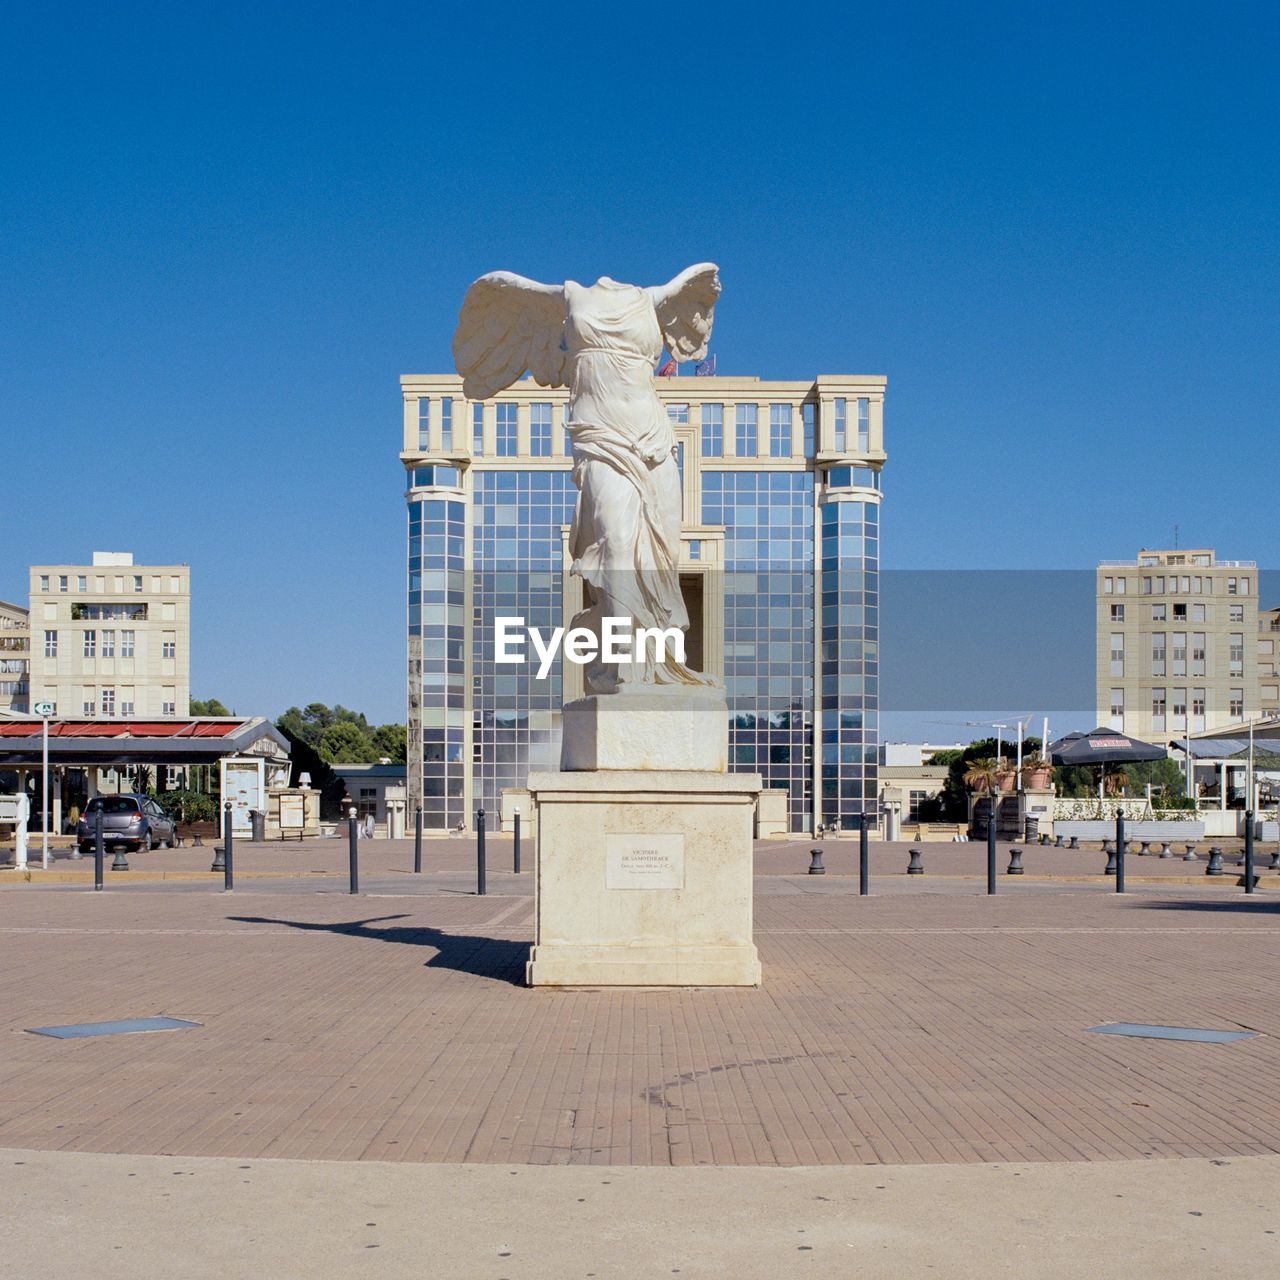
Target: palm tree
981,775
1114,781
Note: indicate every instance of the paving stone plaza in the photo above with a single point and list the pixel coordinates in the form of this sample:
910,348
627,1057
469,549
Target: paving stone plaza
924,1025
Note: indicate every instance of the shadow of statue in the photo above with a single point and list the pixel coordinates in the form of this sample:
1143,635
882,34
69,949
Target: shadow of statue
498,959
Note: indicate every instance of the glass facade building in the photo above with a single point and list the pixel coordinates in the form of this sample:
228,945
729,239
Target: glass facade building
779,568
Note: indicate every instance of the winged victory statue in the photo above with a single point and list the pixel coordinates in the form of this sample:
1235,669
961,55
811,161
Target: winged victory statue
603,341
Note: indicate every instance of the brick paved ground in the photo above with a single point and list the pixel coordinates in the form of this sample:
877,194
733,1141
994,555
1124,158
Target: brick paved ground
922,1025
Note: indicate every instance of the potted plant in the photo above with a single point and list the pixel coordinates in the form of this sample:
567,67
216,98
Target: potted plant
981,775
1037,772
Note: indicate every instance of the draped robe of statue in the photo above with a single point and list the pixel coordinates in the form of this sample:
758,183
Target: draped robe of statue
603,342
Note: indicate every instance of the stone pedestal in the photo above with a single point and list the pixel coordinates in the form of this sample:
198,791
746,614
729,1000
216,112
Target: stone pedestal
644,879
686,728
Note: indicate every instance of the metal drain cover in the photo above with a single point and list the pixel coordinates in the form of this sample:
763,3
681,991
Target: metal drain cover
1147,1032
79,1030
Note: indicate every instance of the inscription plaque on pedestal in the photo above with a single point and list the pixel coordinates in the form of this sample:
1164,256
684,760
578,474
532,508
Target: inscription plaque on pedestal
644,861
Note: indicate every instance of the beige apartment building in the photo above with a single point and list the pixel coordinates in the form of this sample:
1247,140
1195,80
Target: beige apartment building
15,657
1178,644
111,639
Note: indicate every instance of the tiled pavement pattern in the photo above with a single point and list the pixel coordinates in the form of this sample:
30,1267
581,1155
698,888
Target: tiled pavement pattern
909,1027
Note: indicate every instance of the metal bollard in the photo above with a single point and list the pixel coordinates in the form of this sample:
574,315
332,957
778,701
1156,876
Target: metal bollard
1250,880
1146,849
353,854
417,841
863,858
1165,851
1106,846
915,867
1122,847
1274,864
1015,863
1215,861
1075,843
119,862
1111,859
1190,855
1057,842
228,844
1044,838
480,887
198,842
815,863
515,849
991,853
97,852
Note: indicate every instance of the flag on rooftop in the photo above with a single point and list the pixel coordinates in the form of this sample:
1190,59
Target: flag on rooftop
705,368
669,370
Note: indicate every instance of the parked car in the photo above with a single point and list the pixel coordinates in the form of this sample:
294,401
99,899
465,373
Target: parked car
135,821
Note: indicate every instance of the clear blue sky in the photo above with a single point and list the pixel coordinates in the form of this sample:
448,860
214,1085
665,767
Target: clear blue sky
224,236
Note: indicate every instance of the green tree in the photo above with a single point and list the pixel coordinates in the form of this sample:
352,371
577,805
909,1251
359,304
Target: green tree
391,741
345,742
208,707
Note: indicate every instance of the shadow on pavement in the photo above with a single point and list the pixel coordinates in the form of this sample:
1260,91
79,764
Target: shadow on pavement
1253,904
495,958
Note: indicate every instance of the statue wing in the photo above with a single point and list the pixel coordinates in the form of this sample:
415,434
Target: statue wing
509,324
685,308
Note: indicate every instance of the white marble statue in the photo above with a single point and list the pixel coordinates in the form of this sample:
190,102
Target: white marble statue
603,342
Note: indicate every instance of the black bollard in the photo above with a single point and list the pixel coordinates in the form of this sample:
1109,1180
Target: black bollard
1215,861
353,854
1165,851
1145,849
97,852
1057,842
515,849
480,889
915,867
1250,880
991,853
1075,843
1190,855
119,862
1122,846
1015,863
1274,864
815,863
864,868
228,842
1111,859
417,841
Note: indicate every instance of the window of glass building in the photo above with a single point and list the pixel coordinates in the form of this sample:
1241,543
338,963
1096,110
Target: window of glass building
424,423
506,430
1236,704
745,430
82,583
1117,613
108,702
126,644
108,644
713,431
840,424
44,582
62,582
779,430
169,645
678,414
423,476
90,644
540,430
50,644
477,430
808,416
864,424
446,422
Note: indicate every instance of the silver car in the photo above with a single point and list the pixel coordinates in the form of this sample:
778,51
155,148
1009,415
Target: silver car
135,821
